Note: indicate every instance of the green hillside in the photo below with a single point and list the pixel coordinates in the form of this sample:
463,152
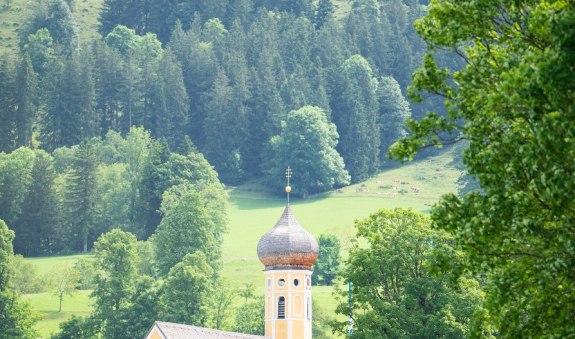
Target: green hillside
252,213
14,12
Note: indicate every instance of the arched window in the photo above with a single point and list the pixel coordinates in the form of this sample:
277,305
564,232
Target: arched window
281,308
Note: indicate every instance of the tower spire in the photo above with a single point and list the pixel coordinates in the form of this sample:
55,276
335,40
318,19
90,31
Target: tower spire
288,187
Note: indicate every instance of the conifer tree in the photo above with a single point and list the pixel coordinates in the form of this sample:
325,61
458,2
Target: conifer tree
226,115
26,101
36,228
79,197
324,12
354,111
7,127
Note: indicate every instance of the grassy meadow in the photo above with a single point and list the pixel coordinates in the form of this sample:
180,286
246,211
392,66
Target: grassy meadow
253,213
14,12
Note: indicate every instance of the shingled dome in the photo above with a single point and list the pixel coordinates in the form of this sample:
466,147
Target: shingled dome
288,245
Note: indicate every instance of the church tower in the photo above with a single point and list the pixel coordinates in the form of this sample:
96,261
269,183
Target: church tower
288,252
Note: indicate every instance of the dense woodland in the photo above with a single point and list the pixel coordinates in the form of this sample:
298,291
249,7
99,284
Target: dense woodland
217,78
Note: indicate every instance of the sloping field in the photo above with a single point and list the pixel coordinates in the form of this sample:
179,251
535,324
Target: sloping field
252,214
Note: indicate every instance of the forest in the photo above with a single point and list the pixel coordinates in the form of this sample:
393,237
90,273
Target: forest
220,79
124,144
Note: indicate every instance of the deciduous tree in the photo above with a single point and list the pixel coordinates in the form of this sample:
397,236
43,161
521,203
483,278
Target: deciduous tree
17,319
307,144
63,281
513,101
115,262
326,267
186,228
186,292
394,294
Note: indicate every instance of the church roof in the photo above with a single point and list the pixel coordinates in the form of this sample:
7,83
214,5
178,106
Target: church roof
288,245
165,330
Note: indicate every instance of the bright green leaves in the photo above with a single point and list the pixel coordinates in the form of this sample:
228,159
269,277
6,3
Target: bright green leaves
394,294
307,144
514,103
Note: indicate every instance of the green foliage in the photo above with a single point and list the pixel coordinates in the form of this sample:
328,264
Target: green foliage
26,279
186,228
143,310
141,47
6,256
63,281
76,327
324,12
6,105
115,263
250,317
79,196
307,144
40,47
55,16
187,291
222,301
327,264
226,115
26,101
85,269
354,105
393,111
394,294
17,319
513,102
35,228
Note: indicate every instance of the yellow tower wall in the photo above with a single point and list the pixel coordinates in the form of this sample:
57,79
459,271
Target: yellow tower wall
295,287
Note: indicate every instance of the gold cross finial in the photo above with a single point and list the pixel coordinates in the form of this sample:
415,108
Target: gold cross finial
288,174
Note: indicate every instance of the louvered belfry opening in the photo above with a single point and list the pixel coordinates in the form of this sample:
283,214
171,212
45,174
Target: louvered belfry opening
281,308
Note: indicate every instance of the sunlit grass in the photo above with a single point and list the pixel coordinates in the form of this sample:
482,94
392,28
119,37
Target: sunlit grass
252,214
46,307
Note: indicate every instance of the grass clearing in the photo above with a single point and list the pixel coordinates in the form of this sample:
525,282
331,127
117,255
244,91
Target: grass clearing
46,306
253,213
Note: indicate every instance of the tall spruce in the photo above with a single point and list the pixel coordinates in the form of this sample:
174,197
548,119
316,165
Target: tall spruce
225,115
69,105
354,111
170,110
7,127
36,228
26,101
79,197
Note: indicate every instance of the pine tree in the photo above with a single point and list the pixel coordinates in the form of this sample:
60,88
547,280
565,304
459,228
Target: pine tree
69,104
7,127
354,109
393,111
324,12
169,118
26,106
108,82
79,197
226,115
36,227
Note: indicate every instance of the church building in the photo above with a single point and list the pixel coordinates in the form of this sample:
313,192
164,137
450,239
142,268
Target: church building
288,251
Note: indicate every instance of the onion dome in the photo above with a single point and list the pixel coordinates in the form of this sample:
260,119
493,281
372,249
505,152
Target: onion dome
288,245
